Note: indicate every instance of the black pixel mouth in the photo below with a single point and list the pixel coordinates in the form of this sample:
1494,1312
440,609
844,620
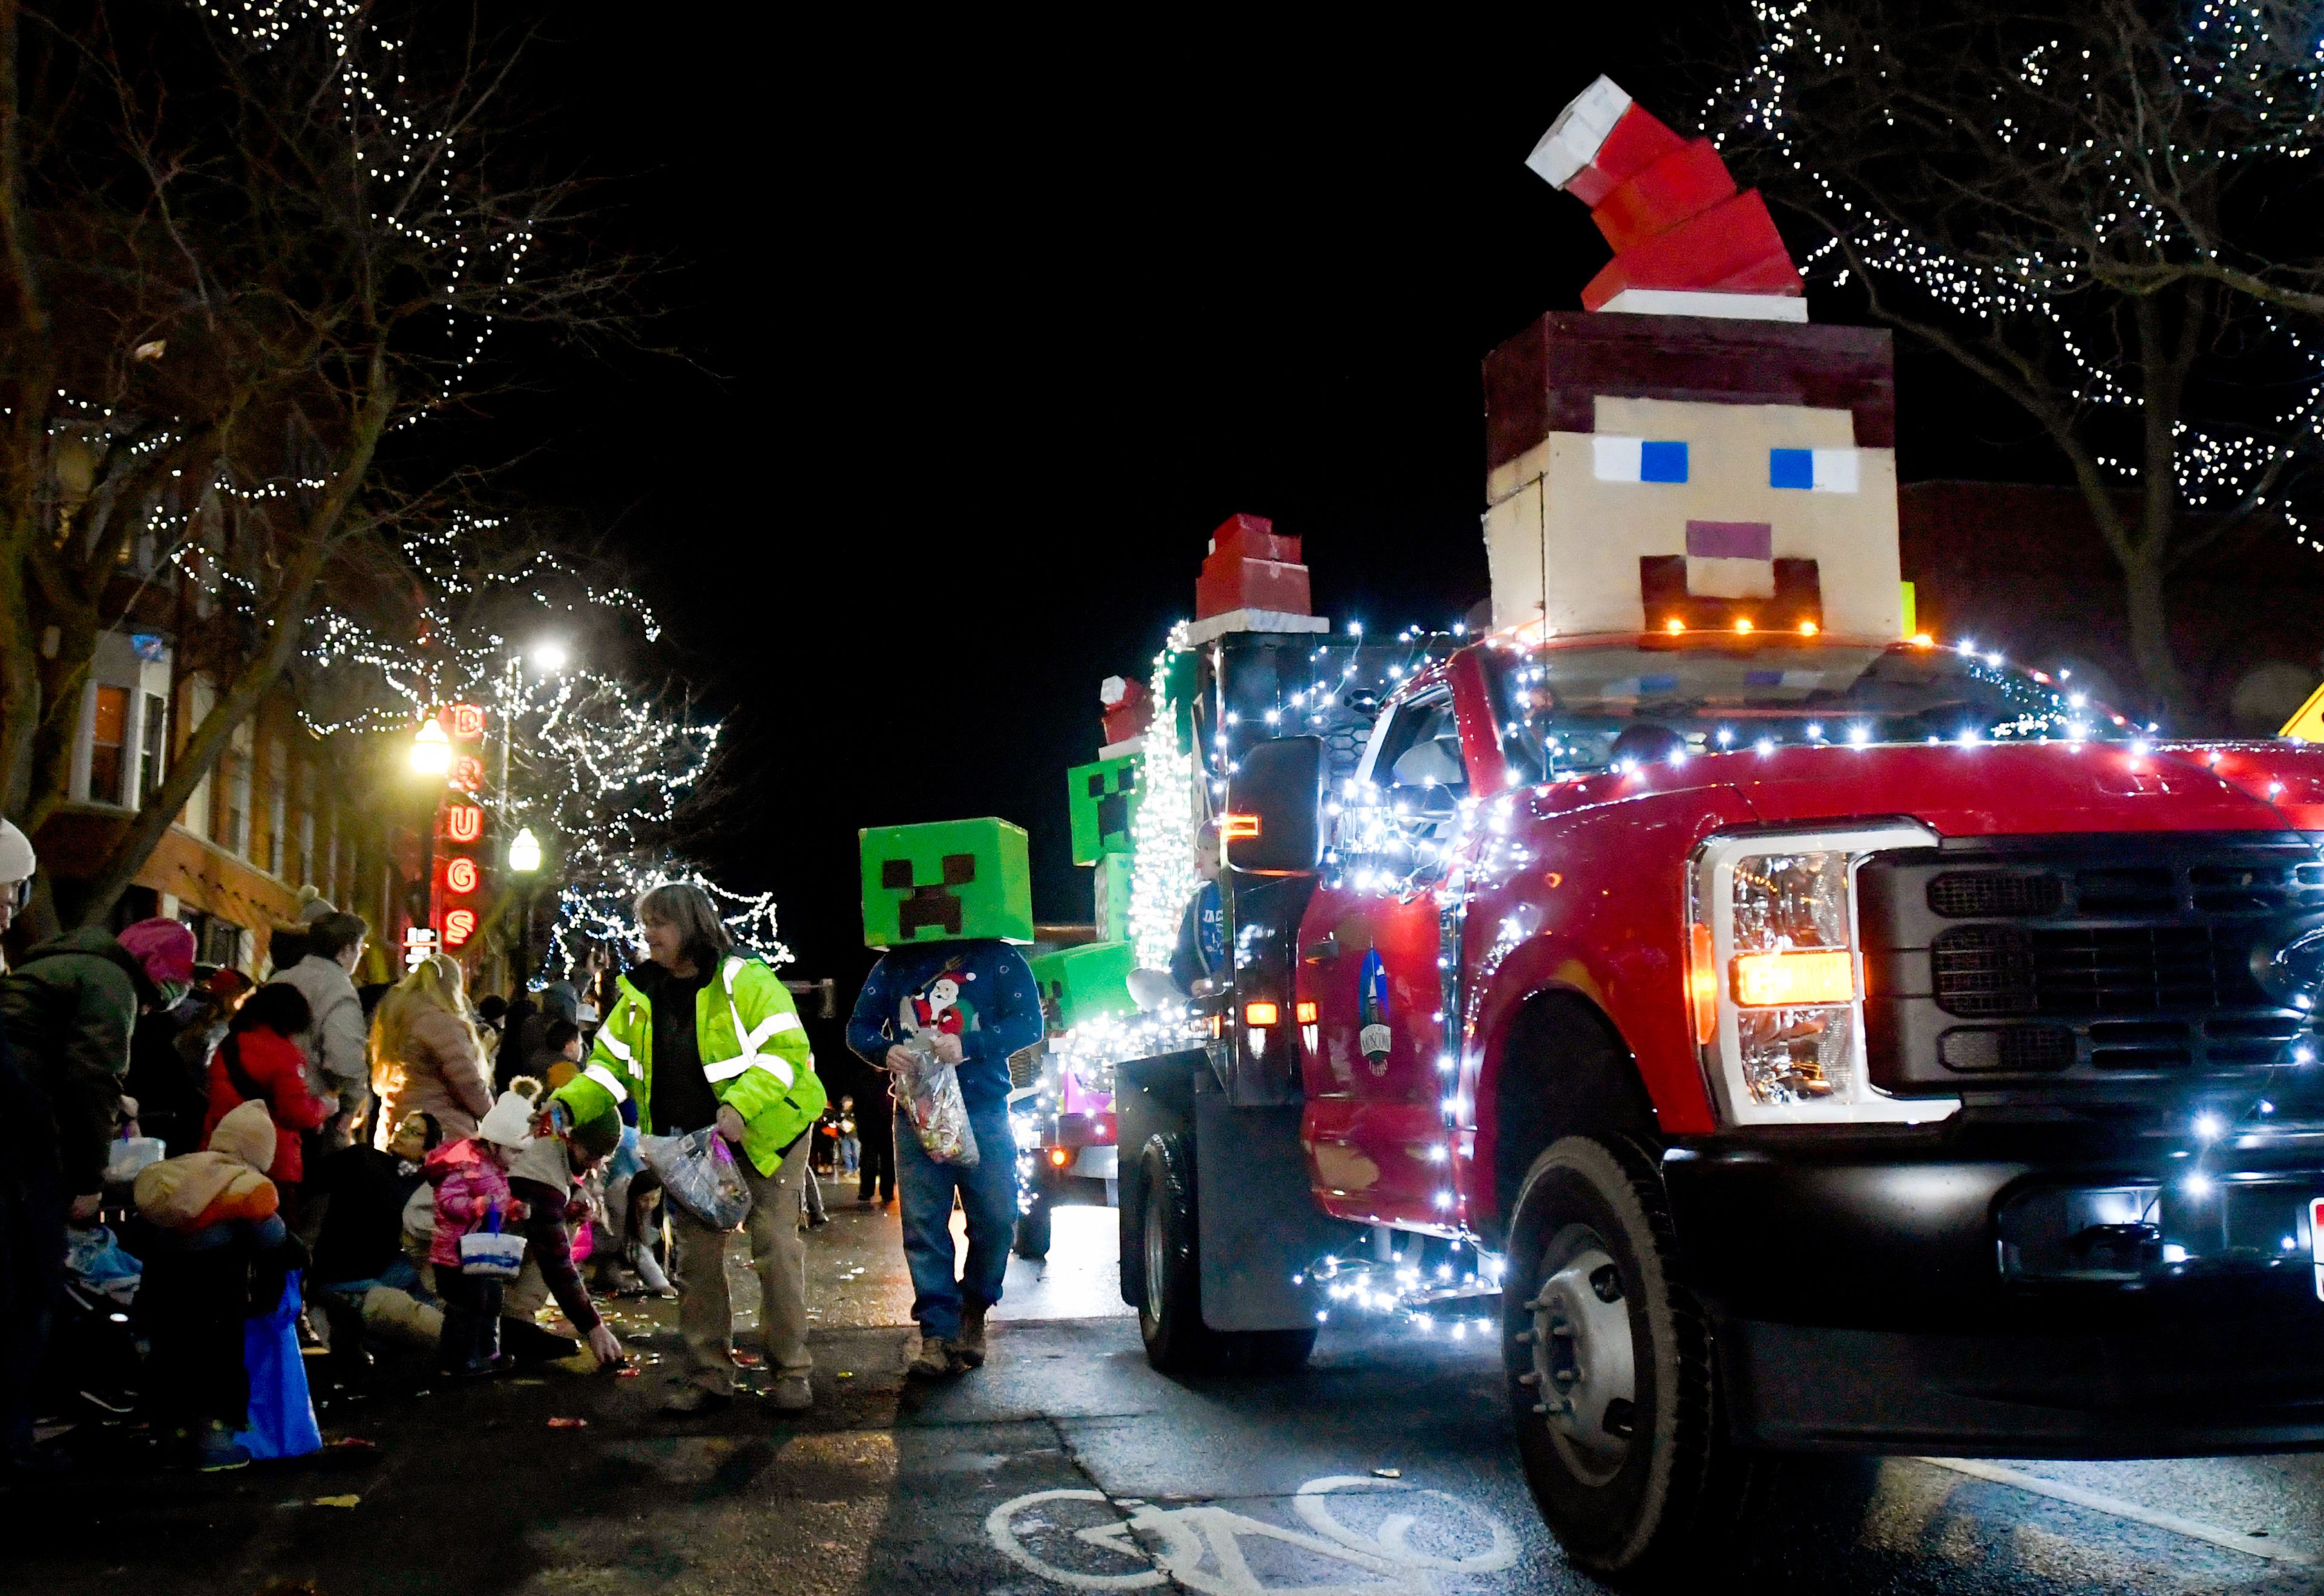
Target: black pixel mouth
936,904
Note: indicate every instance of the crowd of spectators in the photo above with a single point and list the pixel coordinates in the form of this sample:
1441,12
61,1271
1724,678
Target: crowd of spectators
185,1150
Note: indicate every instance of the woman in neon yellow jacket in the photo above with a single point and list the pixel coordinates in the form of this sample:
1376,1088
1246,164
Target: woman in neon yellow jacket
703,1035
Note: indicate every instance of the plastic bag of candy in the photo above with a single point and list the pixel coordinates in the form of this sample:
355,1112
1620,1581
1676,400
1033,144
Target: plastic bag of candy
928,1089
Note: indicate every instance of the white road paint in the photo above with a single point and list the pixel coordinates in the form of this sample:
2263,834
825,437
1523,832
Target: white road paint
2098,1502
1202,1546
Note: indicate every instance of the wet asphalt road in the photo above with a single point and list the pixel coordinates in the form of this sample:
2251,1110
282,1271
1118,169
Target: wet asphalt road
1067,1465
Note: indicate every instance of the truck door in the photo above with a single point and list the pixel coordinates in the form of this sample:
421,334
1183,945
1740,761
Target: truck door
1368,950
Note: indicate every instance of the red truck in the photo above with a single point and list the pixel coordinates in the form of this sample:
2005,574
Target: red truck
1839,1044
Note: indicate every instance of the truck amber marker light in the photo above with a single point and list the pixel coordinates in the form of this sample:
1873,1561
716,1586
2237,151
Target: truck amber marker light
1306,1013
1238,828
1260,1013
1703,983
1791,979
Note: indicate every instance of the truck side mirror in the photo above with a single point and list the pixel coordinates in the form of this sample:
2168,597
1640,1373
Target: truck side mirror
1273,823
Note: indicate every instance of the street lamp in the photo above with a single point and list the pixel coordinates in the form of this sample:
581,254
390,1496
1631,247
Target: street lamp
431,750
524,852
549,656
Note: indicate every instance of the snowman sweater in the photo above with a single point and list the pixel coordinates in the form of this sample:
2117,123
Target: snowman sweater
981,991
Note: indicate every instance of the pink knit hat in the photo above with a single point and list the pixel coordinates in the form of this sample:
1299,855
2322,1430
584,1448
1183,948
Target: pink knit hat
164,948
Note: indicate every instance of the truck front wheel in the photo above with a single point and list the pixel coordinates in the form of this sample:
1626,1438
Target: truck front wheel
1609,1367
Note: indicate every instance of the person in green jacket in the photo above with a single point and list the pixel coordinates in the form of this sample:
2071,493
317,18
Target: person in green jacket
699,1036
69,1008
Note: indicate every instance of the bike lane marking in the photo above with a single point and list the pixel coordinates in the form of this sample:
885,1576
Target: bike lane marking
1202,1546
2098,1502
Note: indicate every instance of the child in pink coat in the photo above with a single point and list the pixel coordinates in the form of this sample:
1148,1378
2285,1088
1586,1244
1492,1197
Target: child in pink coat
471,1180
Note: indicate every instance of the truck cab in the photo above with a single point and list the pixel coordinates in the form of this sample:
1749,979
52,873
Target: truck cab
1829,1043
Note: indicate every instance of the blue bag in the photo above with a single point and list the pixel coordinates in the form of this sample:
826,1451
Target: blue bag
281,1414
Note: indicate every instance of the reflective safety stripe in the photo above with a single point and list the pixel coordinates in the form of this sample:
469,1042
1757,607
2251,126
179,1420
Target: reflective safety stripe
608,1080
774,1025
751,1041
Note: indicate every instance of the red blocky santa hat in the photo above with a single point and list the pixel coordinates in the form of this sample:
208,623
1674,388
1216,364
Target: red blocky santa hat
1254,571
1685,242
1126,708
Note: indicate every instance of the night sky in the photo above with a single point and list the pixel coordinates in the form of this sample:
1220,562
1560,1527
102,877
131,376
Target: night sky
984,333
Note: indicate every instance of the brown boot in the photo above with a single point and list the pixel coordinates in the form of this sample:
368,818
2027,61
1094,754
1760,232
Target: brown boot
968,1351
934,1360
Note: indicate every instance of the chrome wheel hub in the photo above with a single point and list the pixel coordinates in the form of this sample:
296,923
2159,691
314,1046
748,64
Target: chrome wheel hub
1584,1374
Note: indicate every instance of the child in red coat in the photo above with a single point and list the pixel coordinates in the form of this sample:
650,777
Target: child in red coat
257,1062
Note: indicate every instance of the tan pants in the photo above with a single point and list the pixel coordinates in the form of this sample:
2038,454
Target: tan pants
706,1316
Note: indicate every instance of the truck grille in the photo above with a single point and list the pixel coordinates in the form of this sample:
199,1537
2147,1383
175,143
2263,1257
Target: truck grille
2083,963
1982,971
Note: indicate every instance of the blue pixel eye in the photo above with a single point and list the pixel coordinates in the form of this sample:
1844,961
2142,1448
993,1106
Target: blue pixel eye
1822,471
1661,462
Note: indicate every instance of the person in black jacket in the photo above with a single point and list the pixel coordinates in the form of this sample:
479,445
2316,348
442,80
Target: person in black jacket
361,1244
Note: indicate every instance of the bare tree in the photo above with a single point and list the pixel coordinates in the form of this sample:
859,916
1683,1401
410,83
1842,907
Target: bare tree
253,259
2107,213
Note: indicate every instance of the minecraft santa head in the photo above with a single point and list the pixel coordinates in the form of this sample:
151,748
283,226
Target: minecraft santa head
1687,449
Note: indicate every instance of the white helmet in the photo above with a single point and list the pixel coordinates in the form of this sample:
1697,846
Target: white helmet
16,860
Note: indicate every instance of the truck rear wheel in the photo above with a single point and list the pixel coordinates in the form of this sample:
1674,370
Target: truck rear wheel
1170,1319
1033,1224
1611,1385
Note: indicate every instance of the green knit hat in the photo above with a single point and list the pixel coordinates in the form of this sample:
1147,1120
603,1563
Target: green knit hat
599,1137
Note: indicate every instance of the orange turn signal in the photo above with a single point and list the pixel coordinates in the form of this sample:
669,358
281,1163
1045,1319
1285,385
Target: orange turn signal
1306,1013
1260,1014
1238,828
1788,980
1060,1157
1703,984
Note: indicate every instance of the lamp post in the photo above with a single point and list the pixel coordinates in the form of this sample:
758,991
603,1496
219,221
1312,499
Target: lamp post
549,657
523,861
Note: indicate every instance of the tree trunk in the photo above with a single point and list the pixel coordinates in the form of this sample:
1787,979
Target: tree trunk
2150,642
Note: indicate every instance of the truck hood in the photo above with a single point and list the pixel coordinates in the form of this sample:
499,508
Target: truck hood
2015,790
1996,789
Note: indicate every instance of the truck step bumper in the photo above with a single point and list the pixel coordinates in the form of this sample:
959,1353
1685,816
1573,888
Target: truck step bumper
2251,1383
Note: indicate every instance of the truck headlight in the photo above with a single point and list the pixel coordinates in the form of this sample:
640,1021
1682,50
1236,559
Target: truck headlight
1776,981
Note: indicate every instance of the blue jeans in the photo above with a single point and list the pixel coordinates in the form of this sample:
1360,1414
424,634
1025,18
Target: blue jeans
987,1194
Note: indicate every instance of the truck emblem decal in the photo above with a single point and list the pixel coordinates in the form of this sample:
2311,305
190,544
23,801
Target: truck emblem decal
1371,1012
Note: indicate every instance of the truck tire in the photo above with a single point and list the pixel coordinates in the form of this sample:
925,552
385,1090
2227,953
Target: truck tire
1611,1380
1033,1224
1170,1319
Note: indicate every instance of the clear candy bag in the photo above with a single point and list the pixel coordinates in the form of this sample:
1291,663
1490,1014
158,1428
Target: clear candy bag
699,1172
930,1092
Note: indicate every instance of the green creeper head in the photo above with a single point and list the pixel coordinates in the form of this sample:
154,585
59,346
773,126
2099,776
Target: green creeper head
1078,983
951,880
1101,799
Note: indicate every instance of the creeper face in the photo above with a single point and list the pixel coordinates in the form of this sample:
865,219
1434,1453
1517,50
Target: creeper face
953,881
1079,984
1100,800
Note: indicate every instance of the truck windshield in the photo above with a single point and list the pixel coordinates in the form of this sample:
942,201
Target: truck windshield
1585,707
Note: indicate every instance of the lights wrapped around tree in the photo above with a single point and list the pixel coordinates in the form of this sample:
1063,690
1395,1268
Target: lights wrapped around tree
1170,815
